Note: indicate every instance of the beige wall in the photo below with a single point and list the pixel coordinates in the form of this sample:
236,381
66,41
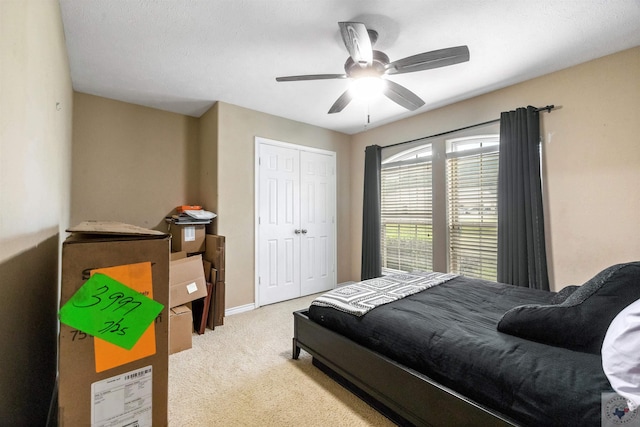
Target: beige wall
237,129
35,152
591,160
130,163
135,164
208,140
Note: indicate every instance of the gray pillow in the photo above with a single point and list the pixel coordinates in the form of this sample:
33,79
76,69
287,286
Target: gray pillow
579,322
563,294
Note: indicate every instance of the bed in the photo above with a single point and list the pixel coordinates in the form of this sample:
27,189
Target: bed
474,352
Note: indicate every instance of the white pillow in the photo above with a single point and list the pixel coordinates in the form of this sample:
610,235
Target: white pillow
621,354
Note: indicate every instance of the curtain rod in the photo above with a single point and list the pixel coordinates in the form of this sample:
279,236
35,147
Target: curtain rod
547,108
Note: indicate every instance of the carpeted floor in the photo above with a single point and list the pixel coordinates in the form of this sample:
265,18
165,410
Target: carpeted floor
242,374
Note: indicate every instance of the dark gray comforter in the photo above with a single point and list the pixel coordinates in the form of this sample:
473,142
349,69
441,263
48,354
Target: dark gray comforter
449,334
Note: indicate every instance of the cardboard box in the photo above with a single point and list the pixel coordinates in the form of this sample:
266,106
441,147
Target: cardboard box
207,270
186,280
200,310
189,238
178,255
215,253
215,317
213,276
180,329
219,305
82,385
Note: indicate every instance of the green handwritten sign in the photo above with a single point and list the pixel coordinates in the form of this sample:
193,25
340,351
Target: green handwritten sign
107,309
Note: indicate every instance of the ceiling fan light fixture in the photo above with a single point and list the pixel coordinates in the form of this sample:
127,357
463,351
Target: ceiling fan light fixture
367,68
366,87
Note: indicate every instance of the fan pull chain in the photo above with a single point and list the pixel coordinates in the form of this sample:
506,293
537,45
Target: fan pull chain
368,113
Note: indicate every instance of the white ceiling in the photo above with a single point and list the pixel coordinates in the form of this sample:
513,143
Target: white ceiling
184,55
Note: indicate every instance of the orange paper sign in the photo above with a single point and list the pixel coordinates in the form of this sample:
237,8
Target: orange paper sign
137,277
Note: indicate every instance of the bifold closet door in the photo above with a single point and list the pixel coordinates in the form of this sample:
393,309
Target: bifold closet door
279,216
317,208
296,232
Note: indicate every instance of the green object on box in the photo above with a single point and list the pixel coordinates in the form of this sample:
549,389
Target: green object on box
110,310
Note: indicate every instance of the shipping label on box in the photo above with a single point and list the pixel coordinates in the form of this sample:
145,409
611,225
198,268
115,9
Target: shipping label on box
124,400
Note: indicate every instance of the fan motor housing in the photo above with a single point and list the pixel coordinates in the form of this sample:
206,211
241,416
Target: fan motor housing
376,69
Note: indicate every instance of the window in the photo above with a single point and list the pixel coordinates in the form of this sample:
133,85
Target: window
464,171
472,198
406,205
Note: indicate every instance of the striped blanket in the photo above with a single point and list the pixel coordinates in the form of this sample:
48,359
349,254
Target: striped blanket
360,297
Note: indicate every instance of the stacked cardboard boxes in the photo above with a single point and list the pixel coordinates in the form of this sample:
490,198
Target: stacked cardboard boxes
186,284
101,383
188,240
187,228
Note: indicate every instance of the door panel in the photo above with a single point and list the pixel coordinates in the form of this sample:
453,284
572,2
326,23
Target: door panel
317,218
279,213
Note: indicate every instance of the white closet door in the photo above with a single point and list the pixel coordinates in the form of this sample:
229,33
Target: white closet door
317,210
279,215
296,222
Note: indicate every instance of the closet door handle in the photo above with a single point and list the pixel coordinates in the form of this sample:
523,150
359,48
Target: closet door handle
304,231
297,231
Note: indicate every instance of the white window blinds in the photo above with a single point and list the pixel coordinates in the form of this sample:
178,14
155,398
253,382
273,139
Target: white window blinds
406,216
472,186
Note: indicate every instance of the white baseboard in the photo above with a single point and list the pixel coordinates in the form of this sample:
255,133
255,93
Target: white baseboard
239,309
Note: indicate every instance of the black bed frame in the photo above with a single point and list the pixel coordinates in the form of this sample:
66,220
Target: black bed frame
403,395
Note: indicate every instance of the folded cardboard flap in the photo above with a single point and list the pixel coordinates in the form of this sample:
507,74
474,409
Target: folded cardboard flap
178,255
113,228
186,280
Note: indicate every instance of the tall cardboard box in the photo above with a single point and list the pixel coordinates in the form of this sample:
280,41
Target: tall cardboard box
134,392
215,254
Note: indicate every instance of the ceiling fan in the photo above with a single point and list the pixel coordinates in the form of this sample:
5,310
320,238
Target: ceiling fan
364,63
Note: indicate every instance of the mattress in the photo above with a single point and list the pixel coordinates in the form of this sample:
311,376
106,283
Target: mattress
449,333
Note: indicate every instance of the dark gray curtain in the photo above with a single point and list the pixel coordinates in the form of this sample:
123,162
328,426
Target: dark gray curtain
522,259
371,256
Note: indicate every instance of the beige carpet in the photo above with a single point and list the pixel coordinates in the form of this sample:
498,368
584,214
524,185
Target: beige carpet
242,374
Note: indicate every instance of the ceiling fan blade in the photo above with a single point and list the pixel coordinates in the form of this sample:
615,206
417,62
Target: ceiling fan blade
311,77
356,39
429,60
341,102
402,96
